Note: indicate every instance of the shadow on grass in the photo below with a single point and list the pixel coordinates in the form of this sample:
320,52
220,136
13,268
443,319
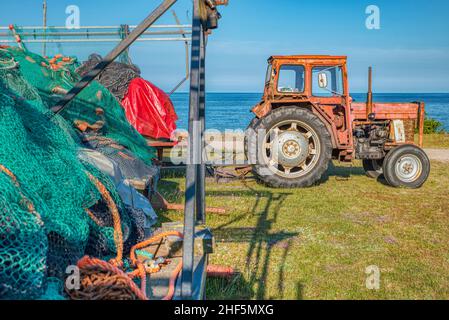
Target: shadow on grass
342,172
224,289
345,173
172,173
262,240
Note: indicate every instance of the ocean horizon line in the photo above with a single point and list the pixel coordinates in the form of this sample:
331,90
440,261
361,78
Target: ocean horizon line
249,92
239,103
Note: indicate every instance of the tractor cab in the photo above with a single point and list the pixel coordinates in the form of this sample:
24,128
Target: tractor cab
309,80
312,76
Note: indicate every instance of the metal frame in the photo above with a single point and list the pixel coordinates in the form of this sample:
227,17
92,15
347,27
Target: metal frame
96,34
44,24
194,191
196,171
187,56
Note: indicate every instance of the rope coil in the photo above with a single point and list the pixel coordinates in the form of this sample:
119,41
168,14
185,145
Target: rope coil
8,63
103,280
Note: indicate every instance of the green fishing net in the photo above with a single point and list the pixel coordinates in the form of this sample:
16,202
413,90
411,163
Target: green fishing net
85,108
44,187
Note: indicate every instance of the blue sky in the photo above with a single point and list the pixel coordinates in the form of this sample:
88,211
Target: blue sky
410,53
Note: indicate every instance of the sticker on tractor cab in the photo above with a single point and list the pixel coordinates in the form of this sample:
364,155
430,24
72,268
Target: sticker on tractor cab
399,130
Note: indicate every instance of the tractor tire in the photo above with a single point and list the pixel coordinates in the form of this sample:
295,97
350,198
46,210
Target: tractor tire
373,168
253,123
250,134
406,166
301,142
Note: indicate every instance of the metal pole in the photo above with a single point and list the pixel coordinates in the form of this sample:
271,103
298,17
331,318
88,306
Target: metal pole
187,58
193,157
124,32
117,51
201,167
91,40
157,26
93,33
369,103
44,48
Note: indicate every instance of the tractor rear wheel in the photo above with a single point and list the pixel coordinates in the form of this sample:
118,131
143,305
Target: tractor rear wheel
250,134
373,168
406,166
253,124
294,150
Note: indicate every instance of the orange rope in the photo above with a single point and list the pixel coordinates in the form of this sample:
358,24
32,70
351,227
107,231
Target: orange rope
27,202
97,138
172,284
92,264
93,217
146,243
143,277
140,270
88,264
10,174
125,156
118,234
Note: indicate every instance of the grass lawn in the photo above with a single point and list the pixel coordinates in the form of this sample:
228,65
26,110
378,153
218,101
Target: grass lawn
436,141
316,243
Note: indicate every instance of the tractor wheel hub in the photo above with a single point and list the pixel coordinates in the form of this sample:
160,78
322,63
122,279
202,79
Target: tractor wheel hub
291,149
408,168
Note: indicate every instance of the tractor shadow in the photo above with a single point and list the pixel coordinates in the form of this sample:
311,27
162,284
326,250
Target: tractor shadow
342,172
262,240
345,172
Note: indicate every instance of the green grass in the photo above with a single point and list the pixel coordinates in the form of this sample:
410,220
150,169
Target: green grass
316,243
437,141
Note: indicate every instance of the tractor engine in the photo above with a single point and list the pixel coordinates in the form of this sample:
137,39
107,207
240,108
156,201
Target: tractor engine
370,139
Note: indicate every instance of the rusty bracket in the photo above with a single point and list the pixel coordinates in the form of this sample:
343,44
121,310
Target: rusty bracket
158,202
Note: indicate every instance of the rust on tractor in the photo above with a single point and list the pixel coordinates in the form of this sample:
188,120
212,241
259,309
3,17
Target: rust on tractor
338,111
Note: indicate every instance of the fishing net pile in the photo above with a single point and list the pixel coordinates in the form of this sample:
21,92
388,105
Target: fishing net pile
116,77
148,108
57,206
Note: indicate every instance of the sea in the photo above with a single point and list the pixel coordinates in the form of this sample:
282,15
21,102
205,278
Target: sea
231,111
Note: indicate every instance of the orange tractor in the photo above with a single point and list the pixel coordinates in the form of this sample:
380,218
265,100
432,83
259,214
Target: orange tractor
307,118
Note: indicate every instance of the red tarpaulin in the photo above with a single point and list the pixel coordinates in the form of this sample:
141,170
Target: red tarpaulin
150,110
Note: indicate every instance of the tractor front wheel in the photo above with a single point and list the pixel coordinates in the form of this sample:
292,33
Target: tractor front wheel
406,166
292,150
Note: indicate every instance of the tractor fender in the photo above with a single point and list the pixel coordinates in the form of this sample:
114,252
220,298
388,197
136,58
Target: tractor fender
264,108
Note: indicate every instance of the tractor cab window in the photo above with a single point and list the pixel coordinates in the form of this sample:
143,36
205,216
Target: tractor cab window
291,79
327,81
269,74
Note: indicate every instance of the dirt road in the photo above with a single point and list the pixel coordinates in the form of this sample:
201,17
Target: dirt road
441,155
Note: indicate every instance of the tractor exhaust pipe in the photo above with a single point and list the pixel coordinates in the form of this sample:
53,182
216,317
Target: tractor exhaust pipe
369,103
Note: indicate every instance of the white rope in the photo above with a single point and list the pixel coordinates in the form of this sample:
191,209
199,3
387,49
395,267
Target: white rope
12,63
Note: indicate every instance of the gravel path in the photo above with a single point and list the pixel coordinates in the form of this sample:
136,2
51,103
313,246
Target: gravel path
441,155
